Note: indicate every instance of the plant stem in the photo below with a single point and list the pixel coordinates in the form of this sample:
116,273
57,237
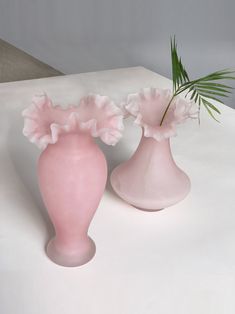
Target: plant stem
168,106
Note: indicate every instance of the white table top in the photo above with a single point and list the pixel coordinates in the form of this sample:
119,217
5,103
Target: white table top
177,261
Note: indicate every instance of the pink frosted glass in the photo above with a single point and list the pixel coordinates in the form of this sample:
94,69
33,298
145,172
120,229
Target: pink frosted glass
148,106
72,170
150,179
72,176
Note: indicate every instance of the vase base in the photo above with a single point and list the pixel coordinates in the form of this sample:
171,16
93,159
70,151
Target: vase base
71,258
148,210
157,199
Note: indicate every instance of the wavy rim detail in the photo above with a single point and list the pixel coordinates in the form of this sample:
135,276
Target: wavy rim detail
98,115
181,109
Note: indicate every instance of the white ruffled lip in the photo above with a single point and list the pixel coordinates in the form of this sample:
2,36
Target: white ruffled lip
96,115
148,108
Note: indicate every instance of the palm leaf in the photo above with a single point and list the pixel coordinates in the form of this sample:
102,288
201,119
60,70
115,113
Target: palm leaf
215,87
179,74
208,105
201,90
205,89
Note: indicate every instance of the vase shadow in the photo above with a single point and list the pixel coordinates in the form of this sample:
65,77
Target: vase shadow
114,155
23,157
122,151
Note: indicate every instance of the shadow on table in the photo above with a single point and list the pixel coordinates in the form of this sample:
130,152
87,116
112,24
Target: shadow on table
114,155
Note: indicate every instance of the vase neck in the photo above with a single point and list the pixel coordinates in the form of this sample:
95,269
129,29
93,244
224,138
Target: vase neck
151,145
75,140
153,154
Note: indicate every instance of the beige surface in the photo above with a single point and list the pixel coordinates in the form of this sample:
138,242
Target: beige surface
16,65
180,260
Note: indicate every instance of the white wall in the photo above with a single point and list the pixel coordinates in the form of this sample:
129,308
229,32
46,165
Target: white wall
87,35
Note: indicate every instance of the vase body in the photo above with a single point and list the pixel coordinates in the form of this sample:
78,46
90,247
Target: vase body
72,175
150,180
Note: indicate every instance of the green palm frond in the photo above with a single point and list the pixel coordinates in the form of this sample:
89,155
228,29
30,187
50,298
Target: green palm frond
179,74
207,88
203,90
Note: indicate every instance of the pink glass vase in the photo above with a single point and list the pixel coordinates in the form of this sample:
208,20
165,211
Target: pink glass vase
72,170
72,175
150,179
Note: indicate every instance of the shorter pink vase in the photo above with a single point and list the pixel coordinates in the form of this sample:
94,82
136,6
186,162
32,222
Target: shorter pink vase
72,170
150,179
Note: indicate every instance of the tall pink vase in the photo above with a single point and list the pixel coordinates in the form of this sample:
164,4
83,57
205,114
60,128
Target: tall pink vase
72,170
72,175
150,179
